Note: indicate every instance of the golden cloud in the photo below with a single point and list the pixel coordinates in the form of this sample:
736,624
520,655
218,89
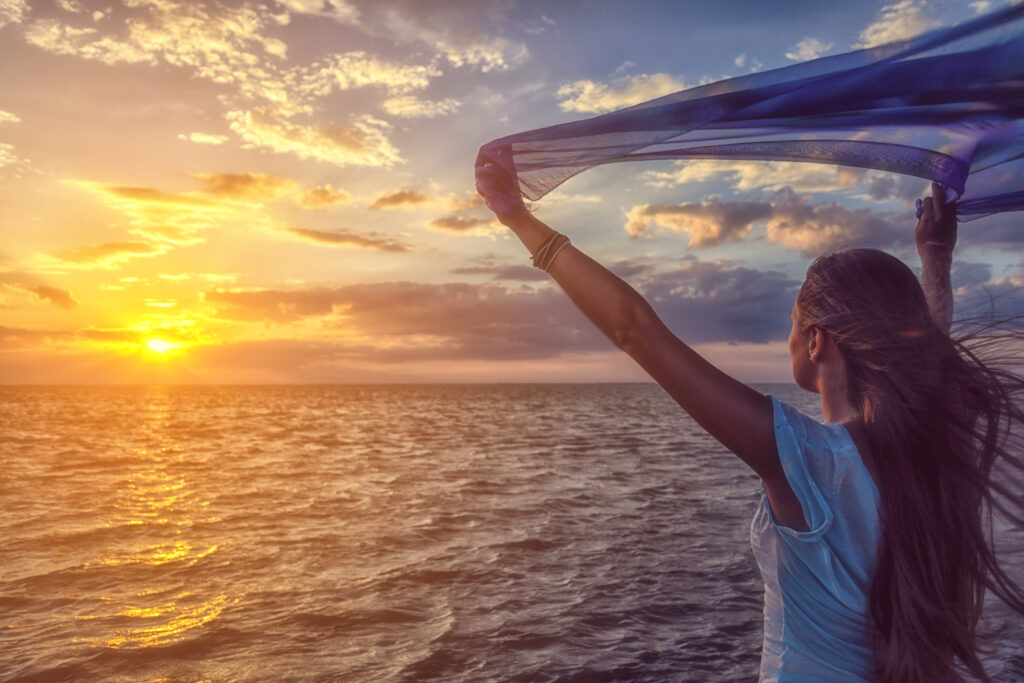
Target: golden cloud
454,223
319,198
591,97
397,198
364,143
149,194
204,138
493,54
350,239
246,187
409,106
107,254
12,11
747,176
26,283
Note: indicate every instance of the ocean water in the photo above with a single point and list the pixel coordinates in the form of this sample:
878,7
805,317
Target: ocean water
377,533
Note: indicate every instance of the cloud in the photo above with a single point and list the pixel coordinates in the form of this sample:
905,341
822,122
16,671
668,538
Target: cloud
110,253
487,54
165,217
58,297
339,10
151,195
899,21
61,298
7,155
246,187
8,117
357,70
398,198
410,106
408,321
808,49
718,301
591,97
204,138
789,220
980,6
319,198
228,45
17,337
454,223
704,302
747,176
505,272
708,223
364,143
12,11
892,186
348,238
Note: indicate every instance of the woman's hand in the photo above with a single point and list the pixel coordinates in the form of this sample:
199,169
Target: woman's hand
935,237
936,228
500,189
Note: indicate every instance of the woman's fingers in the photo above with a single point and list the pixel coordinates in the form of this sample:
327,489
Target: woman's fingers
938,200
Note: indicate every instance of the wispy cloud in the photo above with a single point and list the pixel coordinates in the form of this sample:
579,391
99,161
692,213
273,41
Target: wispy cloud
8,117
807,49
363,143
109,254
412,107
27,284
246,187
319,198
487,54
204,138
12,11
899,21
399,198
454,223
229,46
588,96
347,238
747,176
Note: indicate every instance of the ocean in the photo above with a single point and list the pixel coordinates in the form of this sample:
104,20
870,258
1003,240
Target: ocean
457,533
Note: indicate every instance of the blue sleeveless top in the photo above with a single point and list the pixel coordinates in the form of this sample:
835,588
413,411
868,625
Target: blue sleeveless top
816,582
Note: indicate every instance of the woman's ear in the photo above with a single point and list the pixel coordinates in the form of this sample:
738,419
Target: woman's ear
815,343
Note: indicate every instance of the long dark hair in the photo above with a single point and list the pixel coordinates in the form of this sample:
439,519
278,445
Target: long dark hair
941,413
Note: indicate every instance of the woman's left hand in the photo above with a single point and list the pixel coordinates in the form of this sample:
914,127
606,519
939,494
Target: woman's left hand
499,188
936,228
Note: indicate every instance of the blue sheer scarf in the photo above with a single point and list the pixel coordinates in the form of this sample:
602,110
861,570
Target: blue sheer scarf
946,106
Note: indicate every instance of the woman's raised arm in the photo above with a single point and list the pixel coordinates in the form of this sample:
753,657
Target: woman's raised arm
936,237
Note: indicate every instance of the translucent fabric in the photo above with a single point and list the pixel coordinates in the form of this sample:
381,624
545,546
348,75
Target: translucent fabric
946,106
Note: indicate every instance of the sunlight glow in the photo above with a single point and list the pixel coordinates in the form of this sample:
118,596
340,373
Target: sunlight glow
160,346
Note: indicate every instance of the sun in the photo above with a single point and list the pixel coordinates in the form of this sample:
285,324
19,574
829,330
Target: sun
160,346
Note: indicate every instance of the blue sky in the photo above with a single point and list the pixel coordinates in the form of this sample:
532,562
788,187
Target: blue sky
283,191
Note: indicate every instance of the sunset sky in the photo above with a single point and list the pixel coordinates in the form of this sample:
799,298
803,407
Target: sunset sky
247,192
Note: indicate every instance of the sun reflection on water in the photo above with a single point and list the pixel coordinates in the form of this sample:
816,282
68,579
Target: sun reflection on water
157,496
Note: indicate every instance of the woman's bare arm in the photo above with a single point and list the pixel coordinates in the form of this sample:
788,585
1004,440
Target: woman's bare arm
936,237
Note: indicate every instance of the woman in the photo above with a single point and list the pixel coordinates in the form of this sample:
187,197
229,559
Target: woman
870,534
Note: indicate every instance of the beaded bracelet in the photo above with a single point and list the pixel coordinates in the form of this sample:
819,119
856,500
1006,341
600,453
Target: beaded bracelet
546,253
